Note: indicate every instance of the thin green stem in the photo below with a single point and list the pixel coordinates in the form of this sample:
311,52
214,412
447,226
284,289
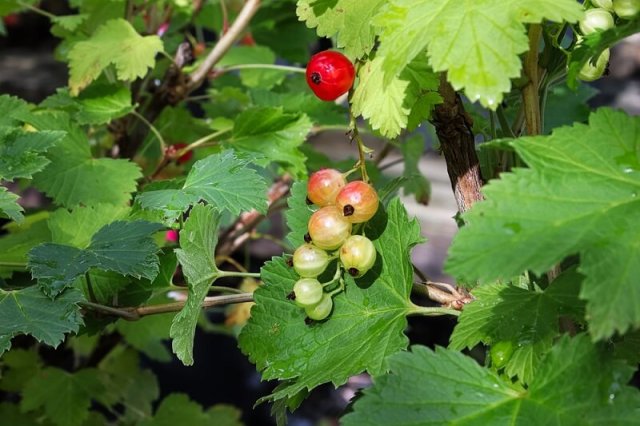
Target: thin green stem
153,129
432,311
362,149
13,265
37,10
492,125
224,274
285,68
92,295
504,124
201,142
223,289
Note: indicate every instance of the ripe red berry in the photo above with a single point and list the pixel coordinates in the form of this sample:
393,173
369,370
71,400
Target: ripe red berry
172,150
330,74
324,185
328,229
357,201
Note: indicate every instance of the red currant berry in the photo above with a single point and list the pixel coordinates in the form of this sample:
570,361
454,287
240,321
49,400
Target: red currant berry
307,292
321,310
324,185
172,150
330,74
327,228
357,201
357,255
310,261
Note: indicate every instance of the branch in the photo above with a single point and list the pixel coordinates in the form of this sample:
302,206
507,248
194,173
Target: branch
449,296
226,41
134,314
530,96
453,127
238,233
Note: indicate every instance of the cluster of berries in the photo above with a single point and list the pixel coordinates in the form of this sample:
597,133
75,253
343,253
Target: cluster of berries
600,17
341,205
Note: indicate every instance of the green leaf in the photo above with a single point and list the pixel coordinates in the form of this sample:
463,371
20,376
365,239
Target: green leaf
388,104
70,22
198,240
127,384
576,384
116,42
147,335
10,6
350,20
221,179
478,45
15,245
298,213
75,228
10,107
123,247
593,44
366,324
526,318
9,206
98,104
175,409
74,177
263,78
296,101
272,136
29,311
19,367
224,415
21,152
580,195
65,397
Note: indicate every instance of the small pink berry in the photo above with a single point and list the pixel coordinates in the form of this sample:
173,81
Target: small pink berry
172,236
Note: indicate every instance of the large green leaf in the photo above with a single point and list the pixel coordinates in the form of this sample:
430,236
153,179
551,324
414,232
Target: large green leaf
298,213
29,311
577,385
75,228
350,20
116,42
477,43
15,245
221,179
123,247
65,397
22,153
9,206
389,104
198,242
147,335
580,195
272,136
74,177
177,408
527,319
366,324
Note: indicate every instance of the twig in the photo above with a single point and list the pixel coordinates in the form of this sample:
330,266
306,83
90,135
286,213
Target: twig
530,97
240,231
134,314
449,296
226,41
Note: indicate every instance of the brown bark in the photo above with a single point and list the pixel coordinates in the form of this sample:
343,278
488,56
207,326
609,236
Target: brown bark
453,127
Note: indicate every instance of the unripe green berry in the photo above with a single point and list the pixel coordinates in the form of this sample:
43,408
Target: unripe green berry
626,9
307,292
501,353
596,20
605,4
357,255
590,72
310,261
321,310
